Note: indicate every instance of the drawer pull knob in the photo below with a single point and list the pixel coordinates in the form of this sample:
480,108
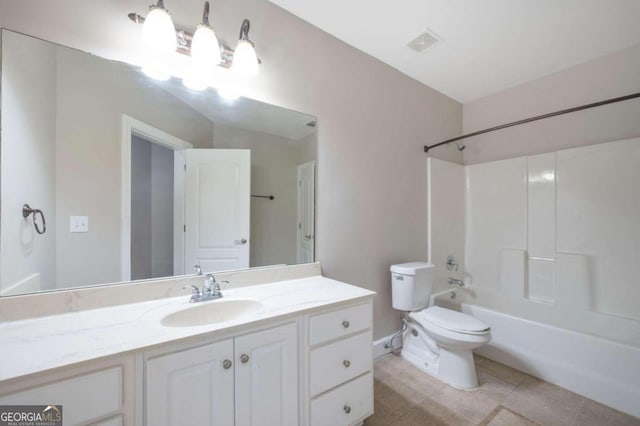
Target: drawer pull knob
345,324
226,364
346,363
347,409
244,358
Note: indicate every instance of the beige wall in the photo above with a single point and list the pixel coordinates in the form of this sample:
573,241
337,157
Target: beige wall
614,75
372,123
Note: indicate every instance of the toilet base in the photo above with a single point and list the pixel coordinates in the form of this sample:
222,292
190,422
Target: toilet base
454,367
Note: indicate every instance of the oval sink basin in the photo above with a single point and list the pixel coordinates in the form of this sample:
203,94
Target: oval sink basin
211,312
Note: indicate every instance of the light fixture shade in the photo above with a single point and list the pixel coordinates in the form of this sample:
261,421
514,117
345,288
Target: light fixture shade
205,49
158,30
245,60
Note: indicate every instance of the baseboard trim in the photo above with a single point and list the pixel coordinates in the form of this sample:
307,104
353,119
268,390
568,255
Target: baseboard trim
379,346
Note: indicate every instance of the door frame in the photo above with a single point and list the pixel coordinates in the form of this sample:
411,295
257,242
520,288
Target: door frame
132,126
311,163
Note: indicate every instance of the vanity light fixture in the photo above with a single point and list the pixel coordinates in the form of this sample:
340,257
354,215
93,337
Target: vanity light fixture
158,30
205,49
245,60
182,41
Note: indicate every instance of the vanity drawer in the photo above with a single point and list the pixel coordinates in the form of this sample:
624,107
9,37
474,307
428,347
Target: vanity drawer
335,324
83,398
340,362
344,405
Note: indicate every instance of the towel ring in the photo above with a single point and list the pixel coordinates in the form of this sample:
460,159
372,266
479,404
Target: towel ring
27,211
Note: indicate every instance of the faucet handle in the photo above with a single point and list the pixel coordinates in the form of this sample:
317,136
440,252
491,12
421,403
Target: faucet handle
195,291
193,288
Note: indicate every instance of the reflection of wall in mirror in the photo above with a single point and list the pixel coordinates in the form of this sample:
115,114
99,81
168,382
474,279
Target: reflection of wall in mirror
28,163
94,93
273,172
152,206
69,105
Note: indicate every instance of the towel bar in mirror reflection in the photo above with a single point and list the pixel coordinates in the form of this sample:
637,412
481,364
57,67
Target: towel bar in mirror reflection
28,211
164,174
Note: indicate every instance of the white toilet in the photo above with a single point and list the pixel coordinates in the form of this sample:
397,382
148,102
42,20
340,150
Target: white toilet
438,341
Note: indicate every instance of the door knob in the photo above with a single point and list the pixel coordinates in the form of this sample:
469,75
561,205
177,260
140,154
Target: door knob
347,409
345,324
226,364
244,358
346,363
241,242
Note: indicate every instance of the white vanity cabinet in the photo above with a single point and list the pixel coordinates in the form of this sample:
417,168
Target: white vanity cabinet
239,381
340,359
191,387
99,393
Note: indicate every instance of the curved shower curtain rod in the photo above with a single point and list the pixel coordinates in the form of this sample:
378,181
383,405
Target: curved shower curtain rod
536,118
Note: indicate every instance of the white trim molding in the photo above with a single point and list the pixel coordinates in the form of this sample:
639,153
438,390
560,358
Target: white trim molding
132,126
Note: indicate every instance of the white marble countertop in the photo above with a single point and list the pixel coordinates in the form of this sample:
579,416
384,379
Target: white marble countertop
35,345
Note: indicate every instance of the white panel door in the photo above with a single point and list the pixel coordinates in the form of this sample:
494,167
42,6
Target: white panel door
192,387
217,191
267,377
306,212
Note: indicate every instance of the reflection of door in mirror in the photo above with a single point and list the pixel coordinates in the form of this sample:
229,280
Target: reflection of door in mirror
188,206
306,212
217,191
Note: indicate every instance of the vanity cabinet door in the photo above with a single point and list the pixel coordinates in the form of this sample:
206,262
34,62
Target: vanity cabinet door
192,387
267,377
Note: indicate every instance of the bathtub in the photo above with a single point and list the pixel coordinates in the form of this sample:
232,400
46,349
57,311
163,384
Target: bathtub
599,369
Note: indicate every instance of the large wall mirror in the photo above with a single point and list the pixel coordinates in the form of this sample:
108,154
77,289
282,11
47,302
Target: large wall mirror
110,176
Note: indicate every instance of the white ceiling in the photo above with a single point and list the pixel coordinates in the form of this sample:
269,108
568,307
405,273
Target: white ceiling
488,45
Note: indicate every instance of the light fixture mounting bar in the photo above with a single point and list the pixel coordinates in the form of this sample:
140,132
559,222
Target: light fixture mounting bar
184,42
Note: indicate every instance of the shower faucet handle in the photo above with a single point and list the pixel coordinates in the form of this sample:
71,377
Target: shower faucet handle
451,263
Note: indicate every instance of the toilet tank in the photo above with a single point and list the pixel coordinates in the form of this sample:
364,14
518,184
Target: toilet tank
411,285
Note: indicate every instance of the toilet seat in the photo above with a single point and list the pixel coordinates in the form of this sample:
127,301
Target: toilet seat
449,320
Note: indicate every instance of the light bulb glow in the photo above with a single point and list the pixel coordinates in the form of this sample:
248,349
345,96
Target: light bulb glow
158,30
245,60
156,72
231,86
194,83
205,49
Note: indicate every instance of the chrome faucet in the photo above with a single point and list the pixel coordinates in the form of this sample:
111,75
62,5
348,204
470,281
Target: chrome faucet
453,281
197,270
210,290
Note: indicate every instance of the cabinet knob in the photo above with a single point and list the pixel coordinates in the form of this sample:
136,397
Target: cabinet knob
347,409
244,358
226,364
346,363
345,324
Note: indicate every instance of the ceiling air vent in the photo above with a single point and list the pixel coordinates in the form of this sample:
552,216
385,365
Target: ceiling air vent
424,41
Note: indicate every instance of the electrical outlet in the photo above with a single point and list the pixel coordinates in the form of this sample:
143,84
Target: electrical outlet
79,224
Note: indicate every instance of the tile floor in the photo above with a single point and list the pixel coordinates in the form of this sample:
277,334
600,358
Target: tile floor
406,396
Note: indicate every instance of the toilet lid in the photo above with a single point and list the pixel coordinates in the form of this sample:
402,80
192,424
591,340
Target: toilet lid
452,320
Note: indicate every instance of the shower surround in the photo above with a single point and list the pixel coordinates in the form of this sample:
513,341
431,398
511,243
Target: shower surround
552,238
